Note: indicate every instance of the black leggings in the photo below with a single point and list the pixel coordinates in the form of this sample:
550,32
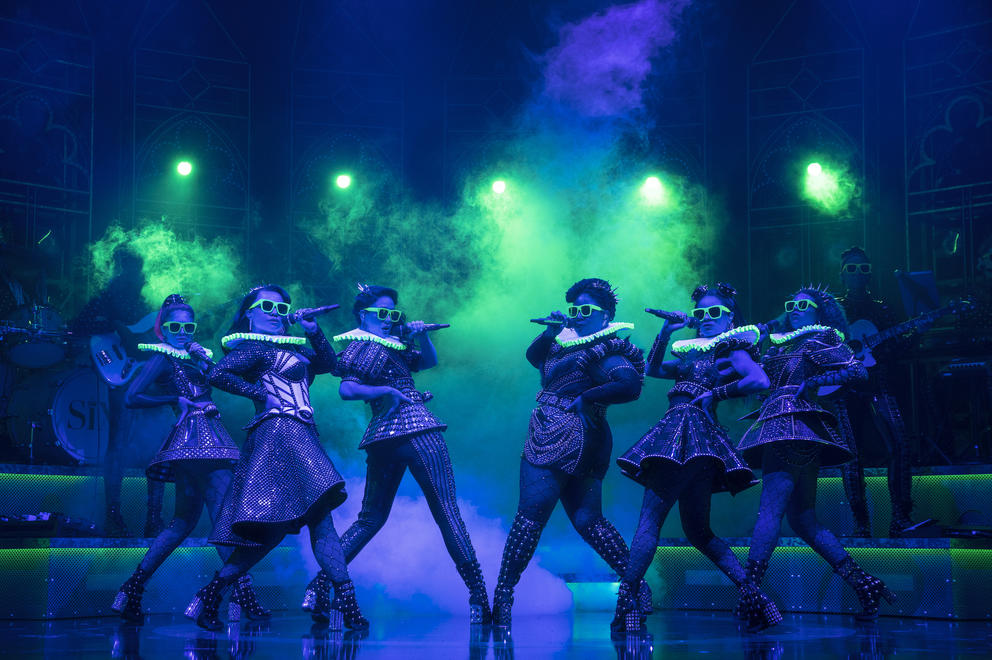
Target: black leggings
691,486
426,456
195,486
324,542
788,488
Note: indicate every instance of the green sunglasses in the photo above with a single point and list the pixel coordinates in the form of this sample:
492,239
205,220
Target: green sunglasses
268,306
175,327
801,305
713,311
864,269
583,311
383,313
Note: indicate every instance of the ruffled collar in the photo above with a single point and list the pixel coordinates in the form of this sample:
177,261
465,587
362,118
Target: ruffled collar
230,340
171,351
568,337
364,335
783,337
749,333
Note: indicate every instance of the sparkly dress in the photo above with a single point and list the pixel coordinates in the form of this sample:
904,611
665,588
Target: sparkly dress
198,438
372,360
604,370
688,432
816,355
284,479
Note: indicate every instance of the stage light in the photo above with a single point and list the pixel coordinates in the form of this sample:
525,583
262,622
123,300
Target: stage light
185,168
653,191
830,188
499,187
342,181
814,169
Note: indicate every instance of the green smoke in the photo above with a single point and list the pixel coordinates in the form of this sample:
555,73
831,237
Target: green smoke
572,208
831,188
207,271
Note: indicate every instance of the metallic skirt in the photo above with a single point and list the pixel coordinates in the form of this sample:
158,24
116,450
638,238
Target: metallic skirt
784,417
687,433
199,436
283,481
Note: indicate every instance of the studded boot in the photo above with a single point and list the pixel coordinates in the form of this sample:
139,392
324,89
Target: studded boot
520,546
128,600
113,525
204,606
754,572
759,611
629,617
478,599
317,598
245,601
870,589
604,538
346,606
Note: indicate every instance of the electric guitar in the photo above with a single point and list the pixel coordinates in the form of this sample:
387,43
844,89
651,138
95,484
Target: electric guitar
111,361
864,336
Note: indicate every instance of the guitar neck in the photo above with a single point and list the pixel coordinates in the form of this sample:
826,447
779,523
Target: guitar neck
896,330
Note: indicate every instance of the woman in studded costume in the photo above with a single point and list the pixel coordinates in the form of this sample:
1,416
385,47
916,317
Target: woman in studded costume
197,455
403,434
284,479
584,368
793,436
687,456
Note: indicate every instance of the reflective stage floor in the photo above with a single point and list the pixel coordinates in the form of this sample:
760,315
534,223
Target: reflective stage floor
580,635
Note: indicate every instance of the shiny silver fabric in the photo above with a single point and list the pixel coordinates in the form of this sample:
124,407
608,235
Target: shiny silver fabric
787,417
284,479
687,432
373,364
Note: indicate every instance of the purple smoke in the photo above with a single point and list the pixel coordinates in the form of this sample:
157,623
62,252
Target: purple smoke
600,62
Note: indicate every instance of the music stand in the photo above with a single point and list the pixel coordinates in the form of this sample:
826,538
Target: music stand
918,291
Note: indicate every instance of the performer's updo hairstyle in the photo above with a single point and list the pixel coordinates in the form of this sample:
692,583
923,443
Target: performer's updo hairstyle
597,289
172,302
828,310
368,294
726,294
240,322
854,251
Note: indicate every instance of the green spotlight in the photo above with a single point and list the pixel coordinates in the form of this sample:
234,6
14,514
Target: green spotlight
653,191
829,189
499,187
184,168
343,181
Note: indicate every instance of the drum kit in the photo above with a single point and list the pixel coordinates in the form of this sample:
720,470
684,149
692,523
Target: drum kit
57,412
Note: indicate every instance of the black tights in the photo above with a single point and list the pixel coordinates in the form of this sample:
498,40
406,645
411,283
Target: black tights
788,488
194,488
324,542
691,486
542,488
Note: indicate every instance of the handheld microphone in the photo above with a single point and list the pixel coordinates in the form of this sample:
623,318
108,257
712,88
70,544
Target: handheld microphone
547,321
672,317
200,354
431,327
312,313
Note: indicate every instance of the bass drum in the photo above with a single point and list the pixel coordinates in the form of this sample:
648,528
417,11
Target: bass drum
60,418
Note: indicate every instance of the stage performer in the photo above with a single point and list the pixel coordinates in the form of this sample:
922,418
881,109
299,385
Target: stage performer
376,367
584,368
687,456
197,455
876,401
284,479
793,437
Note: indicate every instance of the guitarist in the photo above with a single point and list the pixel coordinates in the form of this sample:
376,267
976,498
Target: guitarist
119,304
875,400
